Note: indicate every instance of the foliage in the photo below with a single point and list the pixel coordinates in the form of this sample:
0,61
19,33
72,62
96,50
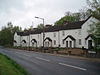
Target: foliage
72,17
40,26
67,18
7,34
94,9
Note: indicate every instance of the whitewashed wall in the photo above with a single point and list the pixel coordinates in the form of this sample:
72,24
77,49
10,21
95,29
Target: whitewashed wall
86,44
76,33
85,30
17,39
51,36
26,38
37,37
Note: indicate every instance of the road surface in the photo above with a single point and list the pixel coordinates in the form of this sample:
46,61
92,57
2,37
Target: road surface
45,64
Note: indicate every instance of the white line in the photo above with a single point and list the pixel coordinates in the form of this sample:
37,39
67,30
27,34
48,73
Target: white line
73,66
42,59
23,54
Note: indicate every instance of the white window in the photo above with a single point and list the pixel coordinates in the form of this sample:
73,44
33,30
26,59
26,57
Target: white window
79,41
63,33
54,34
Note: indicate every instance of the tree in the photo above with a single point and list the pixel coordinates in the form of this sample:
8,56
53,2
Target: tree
7,34
5,37
72,17
40,26
94,9
66,18
84,14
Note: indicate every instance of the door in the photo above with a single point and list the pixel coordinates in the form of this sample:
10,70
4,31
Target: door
70,44
89,44
66,44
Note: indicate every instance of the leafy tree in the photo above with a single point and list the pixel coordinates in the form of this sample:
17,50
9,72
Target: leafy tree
66,19
7,34
5,37
40,26
72,17
94,9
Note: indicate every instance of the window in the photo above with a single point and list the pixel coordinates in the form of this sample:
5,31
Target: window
62,42
54,42
63,33
79,41
79,32
54,34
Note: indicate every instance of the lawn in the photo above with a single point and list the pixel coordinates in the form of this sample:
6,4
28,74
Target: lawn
10,67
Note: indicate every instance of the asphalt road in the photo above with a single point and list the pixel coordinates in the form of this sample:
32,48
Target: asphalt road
46,64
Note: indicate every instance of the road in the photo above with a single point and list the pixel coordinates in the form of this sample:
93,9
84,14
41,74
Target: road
45,64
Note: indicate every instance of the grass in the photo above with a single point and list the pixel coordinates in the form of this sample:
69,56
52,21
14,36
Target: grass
10,67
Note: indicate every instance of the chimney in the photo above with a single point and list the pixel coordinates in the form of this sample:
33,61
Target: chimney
48,25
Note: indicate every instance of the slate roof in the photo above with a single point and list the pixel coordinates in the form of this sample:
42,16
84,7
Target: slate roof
69,26
23,33
36,31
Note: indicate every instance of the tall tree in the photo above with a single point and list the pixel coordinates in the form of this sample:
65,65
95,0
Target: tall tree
94,9
7,34
66,18
72,17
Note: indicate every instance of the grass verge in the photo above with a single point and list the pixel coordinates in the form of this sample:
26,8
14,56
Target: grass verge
10,67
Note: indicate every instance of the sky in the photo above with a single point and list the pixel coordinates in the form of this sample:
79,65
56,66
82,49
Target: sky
22,12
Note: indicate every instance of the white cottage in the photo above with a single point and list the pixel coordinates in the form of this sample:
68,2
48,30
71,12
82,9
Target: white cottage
69,35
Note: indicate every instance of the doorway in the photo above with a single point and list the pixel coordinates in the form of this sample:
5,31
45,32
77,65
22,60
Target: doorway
89,44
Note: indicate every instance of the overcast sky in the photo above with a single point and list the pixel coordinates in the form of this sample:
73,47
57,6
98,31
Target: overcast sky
22,12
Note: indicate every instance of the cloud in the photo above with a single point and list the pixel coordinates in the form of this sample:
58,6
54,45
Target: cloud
22,12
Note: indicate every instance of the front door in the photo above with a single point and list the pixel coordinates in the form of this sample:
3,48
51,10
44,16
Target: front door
70,44
66,44
89,44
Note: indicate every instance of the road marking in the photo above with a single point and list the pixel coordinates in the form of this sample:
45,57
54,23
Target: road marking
42,59
73,66
23,54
